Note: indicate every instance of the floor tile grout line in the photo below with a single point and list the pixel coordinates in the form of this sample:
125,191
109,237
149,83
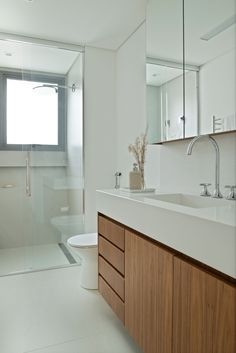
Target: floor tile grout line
63,342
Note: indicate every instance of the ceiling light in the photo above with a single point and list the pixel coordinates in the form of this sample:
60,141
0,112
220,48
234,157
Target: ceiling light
220,28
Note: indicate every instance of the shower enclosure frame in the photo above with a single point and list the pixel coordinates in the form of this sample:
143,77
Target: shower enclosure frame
56,45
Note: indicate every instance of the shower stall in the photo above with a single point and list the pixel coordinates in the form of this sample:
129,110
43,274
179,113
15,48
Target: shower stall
41,153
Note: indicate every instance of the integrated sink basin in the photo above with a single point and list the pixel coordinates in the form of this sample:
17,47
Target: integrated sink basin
202,228
190,200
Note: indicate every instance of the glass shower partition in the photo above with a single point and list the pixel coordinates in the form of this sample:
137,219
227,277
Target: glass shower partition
41,156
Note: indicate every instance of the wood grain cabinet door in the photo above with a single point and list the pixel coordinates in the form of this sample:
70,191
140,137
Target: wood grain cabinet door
148,294
204,316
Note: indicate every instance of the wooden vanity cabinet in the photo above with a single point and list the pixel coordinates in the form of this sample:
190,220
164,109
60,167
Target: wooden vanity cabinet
204,311
148,294
167,303
111,264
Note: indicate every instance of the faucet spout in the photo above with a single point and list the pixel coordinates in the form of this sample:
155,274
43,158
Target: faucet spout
216,193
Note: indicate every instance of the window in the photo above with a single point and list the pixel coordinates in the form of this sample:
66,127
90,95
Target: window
33,112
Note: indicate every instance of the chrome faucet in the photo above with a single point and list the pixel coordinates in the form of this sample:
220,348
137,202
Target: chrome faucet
117,184
216,193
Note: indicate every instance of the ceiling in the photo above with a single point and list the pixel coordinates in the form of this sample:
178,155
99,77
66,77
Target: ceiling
100,23
32,57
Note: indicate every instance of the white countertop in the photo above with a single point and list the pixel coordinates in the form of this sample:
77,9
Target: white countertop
206,234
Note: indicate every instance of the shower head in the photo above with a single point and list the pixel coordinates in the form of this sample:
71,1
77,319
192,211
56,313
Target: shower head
73,88
55,87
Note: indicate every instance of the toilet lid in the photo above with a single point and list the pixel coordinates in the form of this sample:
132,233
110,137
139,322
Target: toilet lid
84,240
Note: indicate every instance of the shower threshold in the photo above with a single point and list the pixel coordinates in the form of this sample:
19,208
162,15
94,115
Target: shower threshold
67,253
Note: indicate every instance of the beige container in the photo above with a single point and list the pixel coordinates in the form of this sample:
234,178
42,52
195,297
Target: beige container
135,180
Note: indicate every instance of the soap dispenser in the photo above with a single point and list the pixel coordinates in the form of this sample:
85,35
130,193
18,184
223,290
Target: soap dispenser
135,180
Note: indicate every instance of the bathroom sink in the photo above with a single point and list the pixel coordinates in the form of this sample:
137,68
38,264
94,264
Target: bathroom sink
190,200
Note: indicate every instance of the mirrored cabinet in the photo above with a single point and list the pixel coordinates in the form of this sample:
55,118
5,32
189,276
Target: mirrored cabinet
210,39
190,68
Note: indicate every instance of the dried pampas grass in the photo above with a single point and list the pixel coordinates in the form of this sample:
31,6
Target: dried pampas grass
138,149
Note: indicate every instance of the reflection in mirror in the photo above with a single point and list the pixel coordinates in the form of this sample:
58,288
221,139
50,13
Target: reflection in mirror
164,95
164,101
164,25
169,118
204,44
210,39
164,70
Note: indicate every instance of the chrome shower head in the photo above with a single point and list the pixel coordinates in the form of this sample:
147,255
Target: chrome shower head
55,87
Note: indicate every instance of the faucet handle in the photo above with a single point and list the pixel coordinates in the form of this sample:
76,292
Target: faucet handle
205,191
232,193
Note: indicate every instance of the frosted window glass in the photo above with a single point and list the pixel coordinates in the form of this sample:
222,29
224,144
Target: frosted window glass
32,114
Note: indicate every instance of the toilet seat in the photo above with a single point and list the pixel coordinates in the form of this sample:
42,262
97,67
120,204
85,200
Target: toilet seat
89,240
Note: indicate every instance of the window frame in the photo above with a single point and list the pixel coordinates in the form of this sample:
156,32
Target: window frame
38,77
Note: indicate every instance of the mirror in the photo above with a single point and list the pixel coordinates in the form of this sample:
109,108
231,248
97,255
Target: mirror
164,70
172,115
164,94
190,68
210,38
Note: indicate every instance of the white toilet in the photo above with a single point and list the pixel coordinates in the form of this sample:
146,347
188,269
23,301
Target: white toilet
86,246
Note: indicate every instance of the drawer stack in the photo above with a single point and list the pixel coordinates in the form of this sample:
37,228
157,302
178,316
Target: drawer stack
111,264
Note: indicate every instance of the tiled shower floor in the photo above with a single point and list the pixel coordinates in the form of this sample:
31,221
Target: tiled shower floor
29,258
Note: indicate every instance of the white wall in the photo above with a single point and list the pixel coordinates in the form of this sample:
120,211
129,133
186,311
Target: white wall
131,107
130,98
100,137
184,173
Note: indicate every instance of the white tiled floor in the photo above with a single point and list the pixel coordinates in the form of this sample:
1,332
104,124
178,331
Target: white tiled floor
31,258
48,312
